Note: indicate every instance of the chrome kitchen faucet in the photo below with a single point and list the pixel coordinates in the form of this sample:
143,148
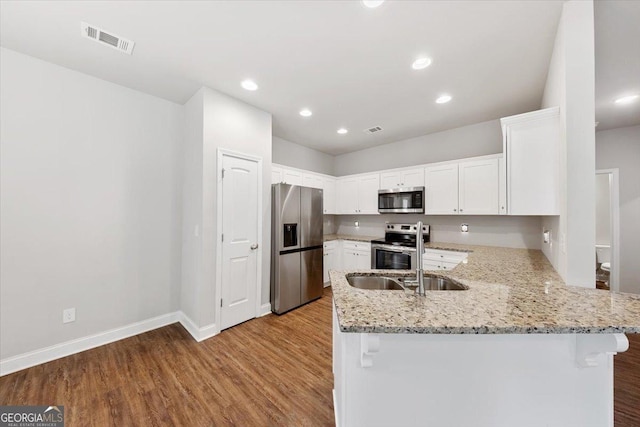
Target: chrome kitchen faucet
419,269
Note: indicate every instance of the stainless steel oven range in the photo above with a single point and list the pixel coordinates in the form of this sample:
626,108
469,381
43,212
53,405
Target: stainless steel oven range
398,249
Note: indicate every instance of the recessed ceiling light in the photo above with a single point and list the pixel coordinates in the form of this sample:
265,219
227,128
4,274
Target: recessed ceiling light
421,63
372,3
627,99
305,112
249,85
443,99
342,131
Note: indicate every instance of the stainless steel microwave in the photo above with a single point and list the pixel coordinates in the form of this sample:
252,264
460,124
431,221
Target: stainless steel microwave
401,200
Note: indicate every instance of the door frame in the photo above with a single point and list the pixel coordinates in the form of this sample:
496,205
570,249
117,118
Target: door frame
614,210
221,152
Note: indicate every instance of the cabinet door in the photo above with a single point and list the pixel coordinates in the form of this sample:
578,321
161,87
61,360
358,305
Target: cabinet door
413,178
347,192
329,195
311,180
276,175
368,186
390,180
363,260
292,177
532,159
431,265
441,189
349,260
502,185
329,262
478,187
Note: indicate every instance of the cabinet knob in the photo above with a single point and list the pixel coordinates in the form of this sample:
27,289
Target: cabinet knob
455,210
460,210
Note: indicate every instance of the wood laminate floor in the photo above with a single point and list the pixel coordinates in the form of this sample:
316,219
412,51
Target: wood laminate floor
272,371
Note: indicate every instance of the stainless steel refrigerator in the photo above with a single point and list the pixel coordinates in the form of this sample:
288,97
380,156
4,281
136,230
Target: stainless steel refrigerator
296,246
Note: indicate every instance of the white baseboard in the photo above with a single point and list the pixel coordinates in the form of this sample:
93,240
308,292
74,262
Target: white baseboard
57,351
265,309
335,409
198,334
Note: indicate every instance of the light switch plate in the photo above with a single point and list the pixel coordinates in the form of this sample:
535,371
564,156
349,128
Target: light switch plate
69,315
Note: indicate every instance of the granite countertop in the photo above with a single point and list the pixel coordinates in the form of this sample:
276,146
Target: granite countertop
329,237
511,291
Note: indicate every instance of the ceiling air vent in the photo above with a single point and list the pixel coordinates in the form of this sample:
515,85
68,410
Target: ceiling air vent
373,130
106,38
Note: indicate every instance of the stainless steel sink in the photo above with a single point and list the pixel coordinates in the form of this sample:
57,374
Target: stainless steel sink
437,283
431,283
374,282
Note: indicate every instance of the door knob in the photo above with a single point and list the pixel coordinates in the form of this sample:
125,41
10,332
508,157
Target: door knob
254,246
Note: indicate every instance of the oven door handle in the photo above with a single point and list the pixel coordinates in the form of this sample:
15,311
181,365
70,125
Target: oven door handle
393,249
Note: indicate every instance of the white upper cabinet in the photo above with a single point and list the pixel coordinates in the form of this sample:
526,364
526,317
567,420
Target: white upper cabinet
502,184
478,187
531,145
285,176
467,188
276,174
329,195
358,194
368,186
403,178
312,180
292,177
441,190
347,196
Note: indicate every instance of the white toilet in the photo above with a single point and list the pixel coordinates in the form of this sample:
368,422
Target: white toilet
603,257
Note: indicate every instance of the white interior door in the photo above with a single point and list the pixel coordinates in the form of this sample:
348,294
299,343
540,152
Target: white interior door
240,240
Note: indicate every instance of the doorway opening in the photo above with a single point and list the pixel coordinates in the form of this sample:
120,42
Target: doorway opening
607,230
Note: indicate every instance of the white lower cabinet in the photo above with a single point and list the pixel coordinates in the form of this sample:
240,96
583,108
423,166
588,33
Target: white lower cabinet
436,259
356,255
331,259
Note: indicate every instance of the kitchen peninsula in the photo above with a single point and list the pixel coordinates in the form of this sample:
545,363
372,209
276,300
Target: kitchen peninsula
519,347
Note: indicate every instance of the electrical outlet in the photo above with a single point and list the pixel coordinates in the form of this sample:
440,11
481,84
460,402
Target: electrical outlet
69,315
563,243
464,228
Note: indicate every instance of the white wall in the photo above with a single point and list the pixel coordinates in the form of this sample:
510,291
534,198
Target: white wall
297,156
620,148
89,204
191,280
570,85
603,207
506,231
469,141
231,124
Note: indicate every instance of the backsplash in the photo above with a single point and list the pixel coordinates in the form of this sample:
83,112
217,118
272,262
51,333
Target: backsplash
329,225
507,231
